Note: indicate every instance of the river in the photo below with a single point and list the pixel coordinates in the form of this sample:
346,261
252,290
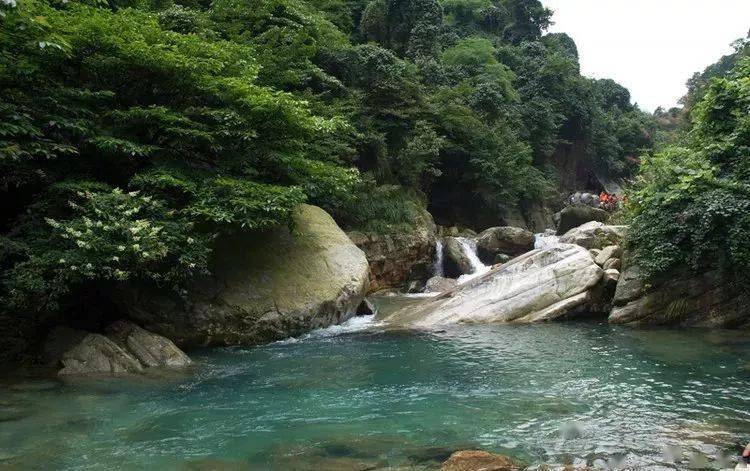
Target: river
356,395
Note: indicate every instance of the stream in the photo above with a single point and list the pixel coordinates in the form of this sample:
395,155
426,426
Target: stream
355,395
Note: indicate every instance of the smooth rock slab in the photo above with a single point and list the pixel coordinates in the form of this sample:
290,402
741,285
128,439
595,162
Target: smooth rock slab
541,285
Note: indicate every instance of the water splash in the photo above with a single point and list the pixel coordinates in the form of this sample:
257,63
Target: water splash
470,250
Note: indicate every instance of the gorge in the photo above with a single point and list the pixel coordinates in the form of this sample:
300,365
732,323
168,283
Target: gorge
362,235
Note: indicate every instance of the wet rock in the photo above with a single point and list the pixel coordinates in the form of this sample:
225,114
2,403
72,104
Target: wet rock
477,460
150,349
541,285
98,354
594,235
438,284
503,240
575,216
263,286
455,260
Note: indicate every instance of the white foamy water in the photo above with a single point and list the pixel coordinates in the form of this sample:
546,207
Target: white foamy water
437,268
355,324
470,250
545,240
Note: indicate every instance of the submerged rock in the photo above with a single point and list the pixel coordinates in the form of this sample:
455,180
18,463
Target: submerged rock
594,235
477,460
710,298
541,285
455,260
575,216
503,240
263,287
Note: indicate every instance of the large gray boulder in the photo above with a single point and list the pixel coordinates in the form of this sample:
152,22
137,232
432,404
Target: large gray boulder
97,354
709,298
126,348
263,286
150,349
455,260
503,240
398,258
573,216
541,285
594,235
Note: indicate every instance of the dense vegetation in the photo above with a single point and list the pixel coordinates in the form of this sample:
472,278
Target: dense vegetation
691,202
133,133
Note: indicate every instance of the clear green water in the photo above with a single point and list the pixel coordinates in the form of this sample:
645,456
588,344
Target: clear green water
373,398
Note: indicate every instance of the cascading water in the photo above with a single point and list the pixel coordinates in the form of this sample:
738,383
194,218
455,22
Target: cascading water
438,266
546,239
470,250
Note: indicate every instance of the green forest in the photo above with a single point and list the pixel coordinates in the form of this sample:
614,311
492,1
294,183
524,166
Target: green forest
133,134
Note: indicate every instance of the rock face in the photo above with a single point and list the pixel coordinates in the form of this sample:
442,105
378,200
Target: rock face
594,235
574,216
477,460
455,260
503,240
396,259
263,287
541,285
708,299
127,348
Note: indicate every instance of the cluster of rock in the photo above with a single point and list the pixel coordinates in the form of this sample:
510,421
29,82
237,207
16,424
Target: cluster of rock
126,348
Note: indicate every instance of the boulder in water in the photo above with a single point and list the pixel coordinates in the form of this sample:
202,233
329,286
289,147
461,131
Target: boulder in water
594,235
540,285
478,460
503,240
456,261
263,286
96,353
574,216
501,258
150,349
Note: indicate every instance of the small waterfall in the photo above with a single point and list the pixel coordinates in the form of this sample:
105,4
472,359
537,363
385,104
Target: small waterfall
545,240
470,249
437,268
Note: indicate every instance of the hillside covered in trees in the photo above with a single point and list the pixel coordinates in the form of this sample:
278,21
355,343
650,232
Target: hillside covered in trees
133,133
